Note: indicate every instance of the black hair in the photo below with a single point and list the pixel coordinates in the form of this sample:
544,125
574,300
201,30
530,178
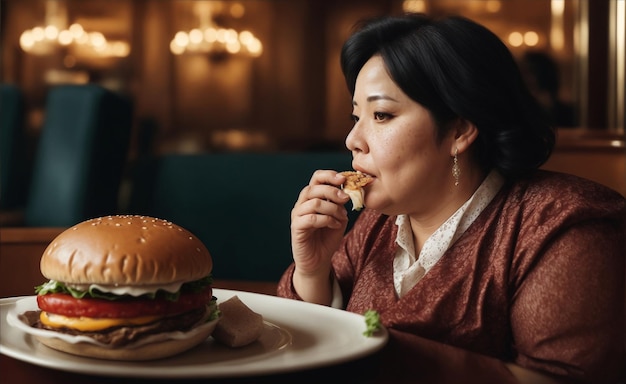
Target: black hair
458,69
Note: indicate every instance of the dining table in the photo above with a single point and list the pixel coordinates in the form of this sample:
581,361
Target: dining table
14,371
20,250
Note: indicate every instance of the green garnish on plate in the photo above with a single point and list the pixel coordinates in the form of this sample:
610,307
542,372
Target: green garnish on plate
372,322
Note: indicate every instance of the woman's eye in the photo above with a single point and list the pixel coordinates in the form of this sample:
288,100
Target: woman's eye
381,116
354,118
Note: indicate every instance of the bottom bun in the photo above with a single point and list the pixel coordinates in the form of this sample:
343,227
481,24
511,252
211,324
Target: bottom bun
152,351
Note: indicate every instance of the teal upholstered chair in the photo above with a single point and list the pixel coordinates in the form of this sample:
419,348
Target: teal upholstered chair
238,204
13,157
80,156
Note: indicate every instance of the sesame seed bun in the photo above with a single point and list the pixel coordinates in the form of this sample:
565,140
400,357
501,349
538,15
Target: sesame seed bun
126,250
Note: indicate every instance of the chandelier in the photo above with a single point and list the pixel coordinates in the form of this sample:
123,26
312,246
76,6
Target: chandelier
209,38
46,39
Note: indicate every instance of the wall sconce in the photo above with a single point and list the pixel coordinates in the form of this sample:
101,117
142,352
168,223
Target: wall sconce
44,40
211,39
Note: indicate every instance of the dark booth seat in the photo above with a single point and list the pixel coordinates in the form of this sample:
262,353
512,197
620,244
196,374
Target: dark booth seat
238,204
80,156
13,158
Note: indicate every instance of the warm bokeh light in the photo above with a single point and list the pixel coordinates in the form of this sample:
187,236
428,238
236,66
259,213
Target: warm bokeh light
231,36
27,40
215,40
233,47
221,36
83,38
414,6
65,37
196,36
528,38
531,38
210,35
210,38
43,40
76,30
120,48
181,39
175,48
516,39
51,32
38,33
493,6
97,39
557,32
255,47
237,10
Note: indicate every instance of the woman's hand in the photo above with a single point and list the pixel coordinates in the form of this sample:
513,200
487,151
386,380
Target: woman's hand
318,223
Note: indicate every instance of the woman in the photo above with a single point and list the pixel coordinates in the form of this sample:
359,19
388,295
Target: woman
483,268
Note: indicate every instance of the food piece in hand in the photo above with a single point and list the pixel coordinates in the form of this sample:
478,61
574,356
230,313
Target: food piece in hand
238,325
355,181
138,286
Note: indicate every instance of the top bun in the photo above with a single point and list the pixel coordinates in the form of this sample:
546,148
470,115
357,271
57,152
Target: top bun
126,250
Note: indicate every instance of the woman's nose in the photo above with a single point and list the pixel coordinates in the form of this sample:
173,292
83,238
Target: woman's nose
352,141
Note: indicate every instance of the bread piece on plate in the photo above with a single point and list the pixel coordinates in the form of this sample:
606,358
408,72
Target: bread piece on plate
238,325
355,181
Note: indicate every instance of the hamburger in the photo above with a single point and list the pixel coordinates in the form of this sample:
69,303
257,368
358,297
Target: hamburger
355,181
138,287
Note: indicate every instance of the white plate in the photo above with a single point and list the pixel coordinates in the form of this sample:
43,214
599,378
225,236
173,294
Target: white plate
297,336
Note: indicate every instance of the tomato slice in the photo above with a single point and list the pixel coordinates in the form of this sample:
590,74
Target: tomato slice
67,305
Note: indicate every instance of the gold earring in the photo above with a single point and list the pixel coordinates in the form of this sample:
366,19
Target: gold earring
456,171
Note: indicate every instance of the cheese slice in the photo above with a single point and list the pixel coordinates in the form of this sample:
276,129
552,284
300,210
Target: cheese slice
87,324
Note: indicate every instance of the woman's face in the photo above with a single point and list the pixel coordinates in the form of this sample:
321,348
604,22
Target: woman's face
394,139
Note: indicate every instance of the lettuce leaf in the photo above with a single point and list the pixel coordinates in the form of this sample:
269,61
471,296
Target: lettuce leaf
53,286
215,310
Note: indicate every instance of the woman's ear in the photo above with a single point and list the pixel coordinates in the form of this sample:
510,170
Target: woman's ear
465,132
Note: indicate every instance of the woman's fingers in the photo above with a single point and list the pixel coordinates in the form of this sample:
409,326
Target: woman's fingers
324,185
318,213
320,204
323,193
321,199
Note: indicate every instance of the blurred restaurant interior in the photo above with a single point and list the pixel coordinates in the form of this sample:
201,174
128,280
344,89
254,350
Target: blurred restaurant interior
287,94
262,76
